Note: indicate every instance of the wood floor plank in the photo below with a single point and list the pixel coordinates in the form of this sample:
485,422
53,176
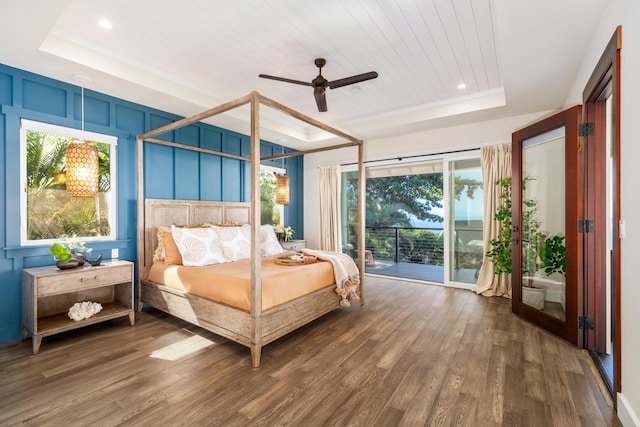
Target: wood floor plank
419,405
414,355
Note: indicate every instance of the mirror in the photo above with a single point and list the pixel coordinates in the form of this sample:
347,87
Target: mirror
543,223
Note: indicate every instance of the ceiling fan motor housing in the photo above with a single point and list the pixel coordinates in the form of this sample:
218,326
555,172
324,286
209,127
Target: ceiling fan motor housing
319,84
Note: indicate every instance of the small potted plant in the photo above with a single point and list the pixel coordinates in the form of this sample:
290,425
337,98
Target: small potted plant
70,253
288,233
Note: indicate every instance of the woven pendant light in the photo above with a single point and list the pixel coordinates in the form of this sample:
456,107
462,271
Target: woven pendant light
82,162
82,169
282,190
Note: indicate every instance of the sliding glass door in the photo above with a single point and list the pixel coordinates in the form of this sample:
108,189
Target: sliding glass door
465,214
423,220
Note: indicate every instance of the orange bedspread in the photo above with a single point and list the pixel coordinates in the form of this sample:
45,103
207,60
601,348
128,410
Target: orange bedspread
230,283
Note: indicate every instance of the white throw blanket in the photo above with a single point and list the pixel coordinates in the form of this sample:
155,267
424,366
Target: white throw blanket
345,272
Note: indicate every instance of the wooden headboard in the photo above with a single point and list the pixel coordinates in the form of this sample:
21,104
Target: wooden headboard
158,212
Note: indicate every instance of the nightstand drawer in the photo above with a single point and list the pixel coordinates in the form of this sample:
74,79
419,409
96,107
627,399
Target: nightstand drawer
92,277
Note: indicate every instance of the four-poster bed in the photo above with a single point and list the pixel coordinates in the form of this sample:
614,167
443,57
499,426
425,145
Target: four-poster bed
258,325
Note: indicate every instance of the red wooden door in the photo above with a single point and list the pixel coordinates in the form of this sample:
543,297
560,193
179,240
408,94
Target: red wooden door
546,207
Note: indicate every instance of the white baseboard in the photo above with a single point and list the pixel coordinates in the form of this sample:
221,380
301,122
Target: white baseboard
626,414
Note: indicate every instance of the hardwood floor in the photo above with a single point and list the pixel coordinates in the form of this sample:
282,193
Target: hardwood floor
414,355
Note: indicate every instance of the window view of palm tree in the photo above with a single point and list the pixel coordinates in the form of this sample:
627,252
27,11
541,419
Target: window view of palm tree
270,212
50,211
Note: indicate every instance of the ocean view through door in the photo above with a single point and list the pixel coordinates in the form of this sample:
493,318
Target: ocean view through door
423,220
465,220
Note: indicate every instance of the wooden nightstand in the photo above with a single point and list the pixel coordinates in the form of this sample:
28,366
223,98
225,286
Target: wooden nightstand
293,245
48,293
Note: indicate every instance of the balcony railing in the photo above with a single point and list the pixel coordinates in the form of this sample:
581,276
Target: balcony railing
424,245
420,245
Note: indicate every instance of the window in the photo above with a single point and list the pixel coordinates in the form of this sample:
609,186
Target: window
271,213
47,211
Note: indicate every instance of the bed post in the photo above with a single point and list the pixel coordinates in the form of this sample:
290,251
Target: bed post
256,257
361,217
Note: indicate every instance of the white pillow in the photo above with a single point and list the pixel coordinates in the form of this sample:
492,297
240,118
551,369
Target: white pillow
235,242
270,244
198,246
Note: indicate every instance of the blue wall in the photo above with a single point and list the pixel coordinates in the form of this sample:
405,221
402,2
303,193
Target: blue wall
169,173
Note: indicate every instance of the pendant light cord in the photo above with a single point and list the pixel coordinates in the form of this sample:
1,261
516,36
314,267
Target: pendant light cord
82,108
82,79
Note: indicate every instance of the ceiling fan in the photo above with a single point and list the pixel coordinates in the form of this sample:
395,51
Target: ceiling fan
320,84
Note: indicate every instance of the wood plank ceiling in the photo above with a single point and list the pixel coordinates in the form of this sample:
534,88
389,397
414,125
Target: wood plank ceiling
421,50
186,56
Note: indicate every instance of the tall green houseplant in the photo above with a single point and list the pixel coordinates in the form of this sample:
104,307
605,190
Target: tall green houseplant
539,251
500,252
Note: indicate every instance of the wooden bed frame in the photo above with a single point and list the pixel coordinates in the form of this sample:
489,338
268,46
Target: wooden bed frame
255,328
227,321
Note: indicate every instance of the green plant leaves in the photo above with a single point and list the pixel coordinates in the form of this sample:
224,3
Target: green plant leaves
60,252
539,250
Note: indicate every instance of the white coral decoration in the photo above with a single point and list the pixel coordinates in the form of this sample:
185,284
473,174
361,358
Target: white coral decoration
84,310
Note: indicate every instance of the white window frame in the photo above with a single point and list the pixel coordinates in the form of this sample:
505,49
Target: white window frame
29,125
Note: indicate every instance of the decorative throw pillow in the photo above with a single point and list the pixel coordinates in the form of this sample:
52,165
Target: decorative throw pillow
172,254
270,244
198,246
235,242
159,253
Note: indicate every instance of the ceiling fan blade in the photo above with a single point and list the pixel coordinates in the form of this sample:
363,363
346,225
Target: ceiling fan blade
353,79
282,79
321,100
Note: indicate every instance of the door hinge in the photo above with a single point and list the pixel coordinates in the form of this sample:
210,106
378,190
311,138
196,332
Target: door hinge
585,226
585,129
585,322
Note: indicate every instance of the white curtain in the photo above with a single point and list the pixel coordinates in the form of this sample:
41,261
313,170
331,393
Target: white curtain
496,165
330,233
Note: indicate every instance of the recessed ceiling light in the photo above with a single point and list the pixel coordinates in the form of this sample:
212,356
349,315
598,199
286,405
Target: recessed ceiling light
462,86
105,23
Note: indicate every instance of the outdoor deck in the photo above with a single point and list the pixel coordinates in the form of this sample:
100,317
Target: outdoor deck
417,271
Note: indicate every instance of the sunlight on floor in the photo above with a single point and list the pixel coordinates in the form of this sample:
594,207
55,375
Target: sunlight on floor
182,348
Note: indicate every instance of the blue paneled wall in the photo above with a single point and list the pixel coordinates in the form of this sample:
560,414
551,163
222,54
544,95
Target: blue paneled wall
169,173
